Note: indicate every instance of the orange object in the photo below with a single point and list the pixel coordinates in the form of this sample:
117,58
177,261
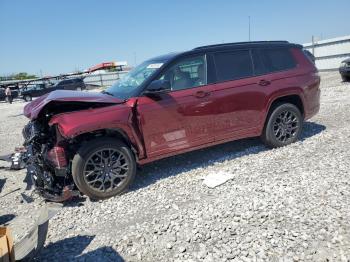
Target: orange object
7,253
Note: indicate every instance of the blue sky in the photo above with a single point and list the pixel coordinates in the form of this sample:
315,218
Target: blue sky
61,36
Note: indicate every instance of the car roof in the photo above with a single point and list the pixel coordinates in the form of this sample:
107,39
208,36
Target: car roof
225,46
346,60
250,44
164,58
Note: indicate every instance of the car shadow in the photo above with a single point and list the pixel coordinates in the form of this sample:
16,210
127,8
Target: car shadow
172,166
72,248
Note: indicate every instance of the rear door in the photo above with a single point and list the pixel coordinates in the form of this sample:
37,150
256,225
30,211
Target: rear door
182,117
238,94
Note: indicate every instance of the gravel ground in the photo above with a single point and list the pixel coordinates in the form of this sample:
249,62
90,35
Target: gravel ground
285,204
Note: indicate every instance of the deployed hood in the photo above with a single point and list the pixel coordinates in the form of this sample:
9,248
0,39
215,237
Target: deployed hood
33,109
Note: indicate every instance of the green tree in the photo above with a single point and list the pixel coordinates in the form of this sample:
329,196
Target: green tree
23,75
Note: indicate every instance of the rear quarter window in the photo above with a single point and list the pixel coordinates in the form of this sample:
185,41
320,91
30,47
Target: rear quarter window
272,60
233,65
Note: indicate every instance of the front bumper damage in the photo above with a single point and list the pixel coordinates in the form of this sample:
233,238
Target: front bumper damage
52,182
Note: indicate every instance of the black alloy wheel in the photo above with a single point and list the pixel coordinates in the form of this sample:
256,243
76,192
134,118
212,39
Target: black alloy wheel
103,168
283,125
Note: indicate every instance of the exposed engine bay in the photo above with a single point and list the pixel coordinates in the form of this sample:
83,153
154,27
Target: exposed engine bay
48,170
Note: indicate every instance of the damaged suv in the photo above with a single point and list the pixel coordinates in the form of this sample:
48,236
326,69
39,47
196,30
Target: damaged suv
171,104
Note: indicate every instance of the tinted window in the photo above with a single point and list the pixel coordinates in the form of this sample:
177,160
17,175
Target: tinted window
272,60
65,82
233,65
187,73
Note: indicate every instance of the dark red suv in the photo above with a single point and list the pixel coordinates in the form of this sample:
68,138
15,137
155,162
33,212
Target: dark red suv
92,142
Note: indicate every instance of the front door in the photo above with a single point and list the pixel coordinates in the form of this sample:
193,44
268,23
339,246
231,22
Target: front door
180,118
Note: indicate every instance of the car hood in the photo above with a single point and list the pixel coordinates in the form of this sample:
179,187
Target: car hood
33,109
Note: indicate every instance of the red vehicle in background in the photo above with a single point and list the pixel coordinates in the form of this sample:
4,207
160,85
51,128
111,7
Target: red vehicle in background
168,105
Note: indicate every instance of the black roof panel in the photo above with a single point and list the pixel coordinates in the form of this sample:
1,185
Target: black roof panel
246,44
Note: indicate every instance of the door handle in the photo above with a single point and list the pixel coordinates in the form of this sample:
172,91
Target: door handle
264,82
201,94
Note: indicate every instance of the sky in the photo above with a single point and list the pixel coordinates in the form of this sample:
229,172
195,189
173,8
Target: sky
47,37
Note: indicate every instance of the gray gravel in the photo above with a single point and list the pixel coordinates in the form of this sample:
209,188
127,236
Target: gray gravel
291,203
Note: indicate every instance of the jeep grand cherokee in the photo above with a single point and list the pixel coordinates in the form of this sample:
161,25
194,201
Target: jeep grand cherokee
168,105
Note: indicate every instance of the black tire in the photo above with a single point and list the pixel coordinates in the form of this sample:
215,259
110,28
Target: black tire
27,98
345,78
83,159
274,124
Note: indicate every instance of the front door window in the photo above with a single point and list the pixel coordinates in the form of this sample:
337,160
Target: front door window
187,73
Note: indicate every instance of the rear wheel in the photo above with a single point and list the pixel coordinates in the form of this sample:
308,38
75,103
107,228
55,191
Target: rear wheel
283,127
27,98
103,168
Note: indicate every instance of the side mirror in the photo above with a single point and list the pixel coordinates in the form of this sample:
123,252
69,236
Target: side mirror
157,87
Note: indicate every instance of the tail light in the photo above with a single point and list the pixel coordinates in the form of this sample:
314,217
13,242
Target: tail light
57,156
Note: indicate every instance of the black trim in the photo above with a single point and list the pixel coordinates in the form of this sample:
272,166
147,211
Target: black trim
240,43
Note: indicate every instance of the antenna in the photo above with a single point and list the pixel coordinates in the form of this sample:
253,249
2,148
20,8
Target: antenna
249,28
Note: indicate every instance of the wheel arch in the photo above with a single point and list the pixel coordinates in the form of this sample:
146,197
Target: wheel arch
294,98
116,133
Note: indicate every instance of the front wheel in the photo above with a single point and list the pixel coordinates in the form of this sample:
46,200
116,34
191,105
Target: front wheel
283,127
345,78
103,168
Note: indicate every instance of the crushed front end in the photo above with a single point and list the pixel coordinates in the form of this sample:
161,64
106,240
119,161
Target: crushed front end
48,165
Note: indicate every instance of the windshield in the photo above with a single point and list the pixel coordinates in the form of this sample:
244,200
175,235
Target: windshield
128,85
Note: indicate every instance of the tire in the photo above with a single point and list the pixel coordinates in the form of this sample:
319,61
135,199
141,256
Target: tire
283,126
27,98
90,157
345,78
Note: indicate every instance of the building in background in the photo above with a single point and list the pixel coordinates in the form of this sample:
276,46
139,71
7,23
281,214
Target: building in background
330,53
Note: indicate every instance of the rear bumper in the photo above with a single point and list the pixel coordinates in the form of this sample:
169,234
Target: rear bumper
313,104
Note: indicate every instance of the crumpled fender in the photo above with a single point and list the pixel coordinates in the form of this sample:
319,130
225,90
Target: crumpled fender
119,117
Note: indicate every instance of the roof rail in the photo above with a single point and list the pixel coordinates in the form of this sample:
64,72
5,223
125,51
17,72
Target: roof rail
241,43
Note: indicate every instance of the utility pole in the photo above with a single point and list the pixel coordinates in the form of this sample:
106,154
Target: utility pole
313,45
249,28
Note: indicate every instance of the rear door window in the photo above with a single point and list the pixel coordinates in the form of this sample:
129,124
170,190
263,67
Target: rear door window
272,60
233,65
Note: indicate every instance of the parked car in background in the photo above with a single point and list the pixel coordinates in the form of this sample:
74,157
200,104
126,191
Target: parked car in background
168,105
344,70
37,90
